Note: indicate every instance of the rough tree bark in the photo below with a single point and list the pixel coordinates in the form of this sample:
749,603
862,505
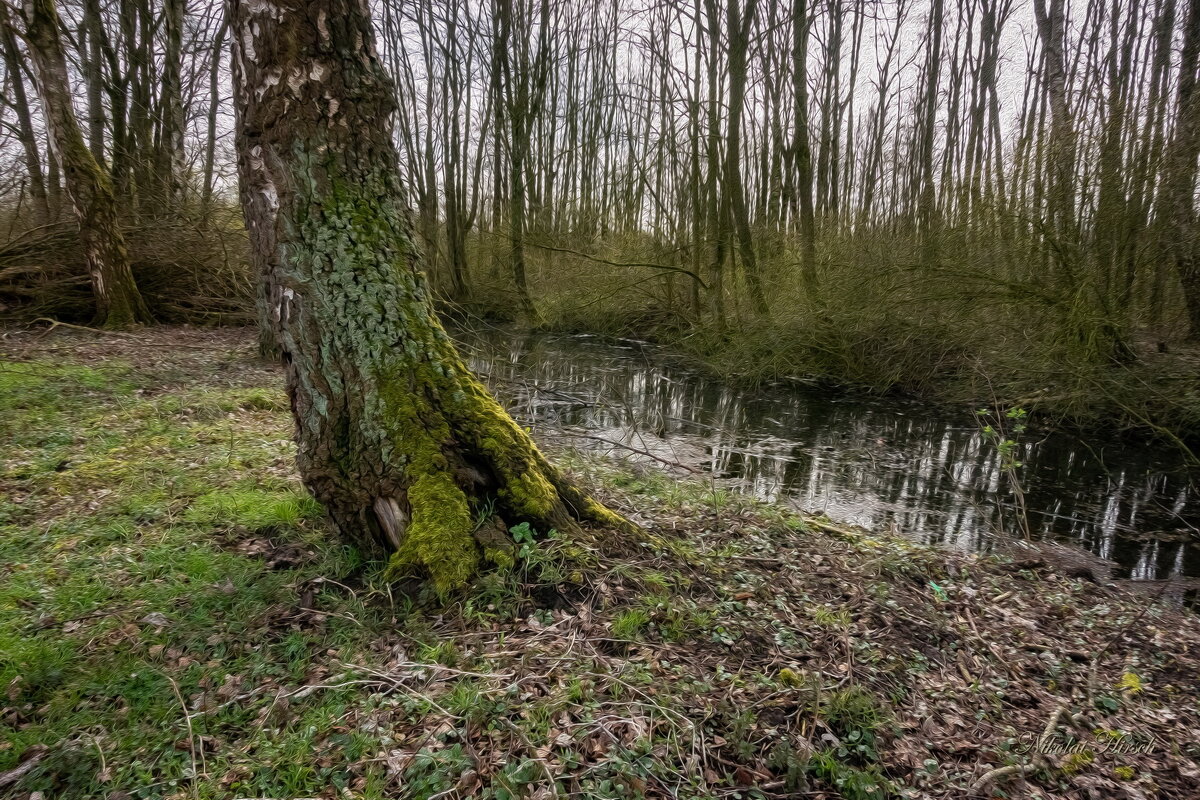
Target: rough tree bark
210,138
802,148
524,82
1051,24
1180,241
399,441
119,304
927,194
740,25
93,77
172,119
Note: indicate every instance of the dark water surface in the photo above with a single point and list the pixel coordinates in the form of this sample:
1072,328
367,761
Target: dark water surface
875,462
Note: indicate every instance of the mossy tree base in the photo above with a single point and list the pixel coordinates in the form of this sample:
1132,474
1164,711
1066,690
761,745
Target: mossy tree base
404,447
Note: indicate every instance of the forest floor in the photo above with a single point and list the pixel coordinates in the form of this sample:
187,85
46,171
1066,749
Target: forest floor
175,622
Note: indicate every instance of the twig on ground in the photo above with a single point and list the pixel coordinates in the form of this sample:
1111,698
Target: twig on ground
29,760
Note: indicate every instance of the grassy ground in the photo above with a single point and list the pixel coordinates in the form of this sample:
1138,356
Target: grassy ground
175,622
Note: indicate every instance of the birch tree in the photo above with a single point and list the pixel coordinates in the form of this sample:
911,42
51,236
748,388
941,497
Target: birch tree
119,304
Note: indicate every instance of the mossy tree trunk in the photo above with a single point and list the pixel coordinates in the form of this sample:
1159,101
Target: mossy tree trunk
399,441
119,304
740,24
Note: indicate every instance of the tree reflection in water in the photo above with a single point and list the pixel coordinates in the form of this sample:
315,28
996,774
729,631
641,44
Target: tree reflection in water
869,461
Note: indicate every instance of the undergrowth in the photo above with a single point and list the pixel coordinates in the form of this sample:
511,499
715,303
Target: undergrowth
880,322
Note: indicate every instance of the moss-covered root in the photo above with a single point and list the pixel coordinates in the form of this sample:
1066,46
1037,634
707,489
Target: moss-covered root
530,487
439,536
450,543
498,467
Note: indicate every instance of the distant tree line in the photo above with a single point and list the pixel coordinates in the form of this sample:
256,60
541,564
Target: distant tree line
1054,145
721,154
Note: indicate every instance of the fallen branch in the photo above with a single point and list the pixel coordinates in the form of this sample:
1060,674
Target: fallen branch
599,260
991,776
54,323
668,462
30,759
1038,761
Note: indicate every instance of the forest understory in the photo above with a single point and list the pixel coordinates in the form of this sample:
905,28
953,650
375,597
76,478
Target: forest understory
177,622
986,203
982,202
940,350
883,327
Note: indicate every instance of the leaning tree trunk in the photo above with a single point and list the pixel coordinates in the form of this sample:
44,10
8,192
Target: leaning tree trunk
119,304
396,437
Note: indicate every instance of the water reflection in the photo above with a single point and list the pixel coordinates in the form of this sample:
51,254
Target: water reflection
872,462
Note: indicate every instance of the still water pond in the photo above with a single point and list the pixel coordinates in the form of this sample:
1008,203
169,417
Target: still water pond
875,462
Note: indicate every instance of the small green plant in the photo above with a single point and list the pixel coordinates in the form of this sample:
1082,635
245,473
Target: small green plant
1078,762
464,699
495,595
1130,683
853,783
630,624
484,512
828,618
436,773
580,690
855,717
541,560
511,782
1003,431
740,734
656,583
526,540
444,653
786,760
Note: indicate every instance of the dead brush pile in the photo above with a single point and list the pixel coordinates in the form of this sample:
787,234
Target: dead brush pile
188,273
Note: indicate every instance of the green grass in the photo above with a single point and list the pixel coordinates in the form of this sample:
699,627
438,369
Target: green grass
254,509
122,609
153,644
630,624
